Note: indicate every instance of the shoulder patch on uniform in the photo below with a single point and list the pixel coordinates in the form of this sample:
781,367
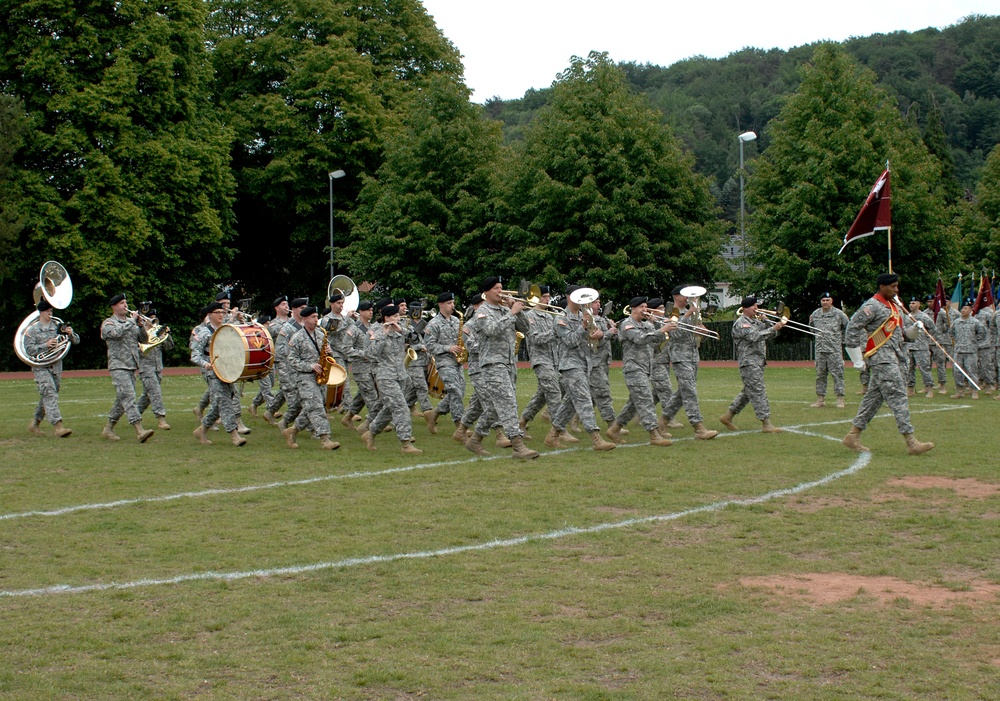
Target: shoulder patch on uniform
561,322
481,315
746,325
867,310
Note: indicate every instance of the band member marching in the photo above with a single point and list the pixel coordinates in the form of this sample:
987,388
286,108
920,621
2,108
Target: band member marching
151,374
221,395
123,331
442,337
684,358
306,352
42,336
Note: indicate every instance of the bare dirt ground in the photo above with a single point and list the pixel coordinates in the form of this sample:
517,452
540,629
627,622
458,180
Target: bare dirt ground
821,589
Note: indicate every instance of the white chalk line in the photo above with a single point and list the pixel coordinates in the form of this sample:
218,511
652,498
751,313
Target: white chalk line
859,463
227,491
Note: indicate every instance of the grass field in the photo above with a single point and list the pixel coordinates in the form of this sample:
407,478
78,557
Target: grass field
748,567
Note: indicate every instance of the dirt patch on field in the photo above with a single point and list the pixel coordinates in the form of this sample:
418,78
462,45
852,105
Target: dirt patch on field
969,487
830,588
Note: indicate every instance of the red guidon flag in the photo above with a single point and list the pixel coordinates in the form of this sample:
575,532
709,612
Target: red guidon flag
985,296
940,301
875,214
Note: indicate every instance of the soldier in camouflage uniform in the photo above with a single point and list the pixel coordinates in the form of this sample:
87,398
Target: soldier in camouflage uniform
441,336
39,338
750,336
285,376
388,350
600,383
918,352
987,367
639,338
877,329
494,327
659,376
575,362
361,366
221,404
151,374
265,384
831,323
123,332
476,410
274,326
304,356
337,325
417,368
683,349
938,358
967,333
541,338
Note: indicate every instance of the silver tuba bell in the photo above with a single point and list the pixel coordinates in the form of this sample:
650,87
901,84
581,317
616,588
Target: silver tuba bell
56,287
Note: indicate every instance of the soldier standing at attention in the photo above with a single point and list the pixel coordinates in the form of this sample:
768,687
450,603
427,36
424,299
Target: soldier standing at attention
123,332
877,328
968,333
750,335
918,352
831,323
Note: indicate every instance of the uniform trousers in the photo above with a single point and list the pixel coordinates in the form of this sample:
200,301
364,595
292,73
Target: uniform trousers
886,385
394,409
640,400
576,400
686,394
753,392
548,393
48,393
312,398
831,364
125,403
499,399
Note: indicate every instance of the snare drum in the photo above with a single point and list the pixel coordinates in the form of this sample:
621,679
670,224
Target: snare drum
335,385
241,352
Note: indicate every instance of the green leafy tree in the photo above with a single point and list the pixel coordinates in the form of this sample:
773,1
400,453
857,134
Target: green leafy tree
826,149
600,193
979,220
124,170
420,225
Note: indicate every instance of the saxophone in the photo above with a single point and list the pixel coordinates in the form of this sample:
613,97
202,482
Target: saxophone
326,360
463,353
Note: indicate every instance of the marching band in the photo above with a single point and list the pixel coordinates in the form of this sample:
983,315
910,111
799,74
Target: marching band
399,357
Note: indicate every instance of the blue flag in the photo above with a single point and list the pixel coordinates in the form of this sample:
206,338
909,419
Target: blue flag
956,296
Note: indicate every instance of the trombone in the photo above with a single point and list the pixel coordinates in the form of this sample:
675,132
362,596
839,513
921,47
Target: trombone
533,302
693,328
774,317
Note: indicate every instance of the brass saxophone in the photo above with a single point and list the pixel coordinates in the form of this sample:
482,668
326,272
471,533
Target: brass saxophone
463,353
326,360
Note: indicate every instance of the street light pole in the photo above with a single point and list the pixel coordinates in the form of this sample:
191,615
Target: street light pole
333,175
743,138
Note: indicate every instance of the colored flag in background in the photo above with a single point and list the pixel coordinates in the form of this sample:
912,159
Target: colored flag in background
939,299
875,214
985,296
956,296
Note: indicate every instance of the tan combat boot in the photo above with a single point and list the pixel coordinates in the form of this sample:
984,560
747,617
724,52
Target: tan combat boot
289,435
702,433
459,435
431,417
574,425
348,420
62,431
614,432
598,443
327,444
142,434
929,393
408,448
475,445
567,437
362,428
942,388
502,440
552,439
269,417
910,392
521,451
915,447
819,403
253,410
840,401
853,440
523,425
662,425
200,434
957,395
864,390
975,394
727,421
198,412
545,416
237,439
36,427
109,432
369,440
656,439
242,427
161,423
674,423
767,427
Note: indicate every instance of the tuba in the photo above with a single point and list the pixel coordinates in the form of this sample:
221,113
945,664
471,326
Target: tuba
55,285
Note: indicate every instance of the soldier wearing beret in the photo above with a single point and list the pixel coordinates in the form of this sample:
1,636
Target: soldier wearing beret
750,336
123,332
40,337
304,356
221,404
441,335
831,323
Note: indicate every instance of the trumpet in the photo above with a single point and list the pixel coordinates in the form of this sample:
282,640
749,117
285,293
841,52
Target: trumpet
773,317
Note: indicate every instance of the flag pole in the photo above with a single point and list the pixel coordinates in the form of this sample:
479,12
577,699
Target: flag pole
889,230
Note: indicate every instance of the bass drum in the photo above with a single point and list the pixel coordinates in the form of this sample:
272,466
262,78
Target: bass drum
241,352
435,385
335,386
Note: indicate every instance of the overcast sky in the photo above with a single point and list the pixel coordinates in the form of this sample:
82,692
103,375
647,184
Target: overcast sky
512,45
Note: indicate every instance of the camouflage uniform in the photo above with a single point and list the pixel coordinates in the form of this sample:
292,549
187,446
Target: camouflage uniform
639,340
476,410
683,349
302,353
222,395
946,317
541,338
363,370
659,375
918,352
388,350
968,335
151,374
600,385
750,336
123,337
417,369
47,378
575,364
440,335
829,348
336,326
495,328
941,325
277,399
886,384
286,376
987,367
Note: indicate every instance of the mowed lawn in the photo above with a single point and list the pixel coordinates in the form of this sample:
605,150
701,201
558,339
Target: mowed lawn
747,567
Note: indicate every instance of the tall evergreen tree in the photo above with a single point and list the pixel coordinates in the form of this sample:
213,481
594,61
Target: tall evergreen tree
600,193
827,147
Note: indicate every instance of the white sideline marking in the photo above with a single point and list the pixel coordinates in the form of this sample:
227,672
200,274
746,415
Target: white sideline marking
860,463
225,491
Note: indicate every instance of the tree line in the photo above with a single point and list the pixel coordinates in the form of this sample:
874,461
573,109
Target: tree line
168,151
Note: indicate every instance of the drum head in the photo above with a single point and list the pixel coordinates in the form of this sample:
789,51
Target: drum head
228,353
338,375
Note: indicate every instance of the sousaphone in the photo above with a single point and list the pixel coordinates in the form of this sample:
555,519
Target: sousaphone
346,286
56,287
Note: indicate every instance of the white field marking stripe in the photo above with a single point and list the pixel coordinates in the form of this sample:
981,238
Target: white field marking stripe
860,463
224,491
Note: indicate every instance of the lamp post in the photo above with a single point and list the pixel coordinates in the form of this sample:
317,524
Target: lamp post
743,138
334,175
